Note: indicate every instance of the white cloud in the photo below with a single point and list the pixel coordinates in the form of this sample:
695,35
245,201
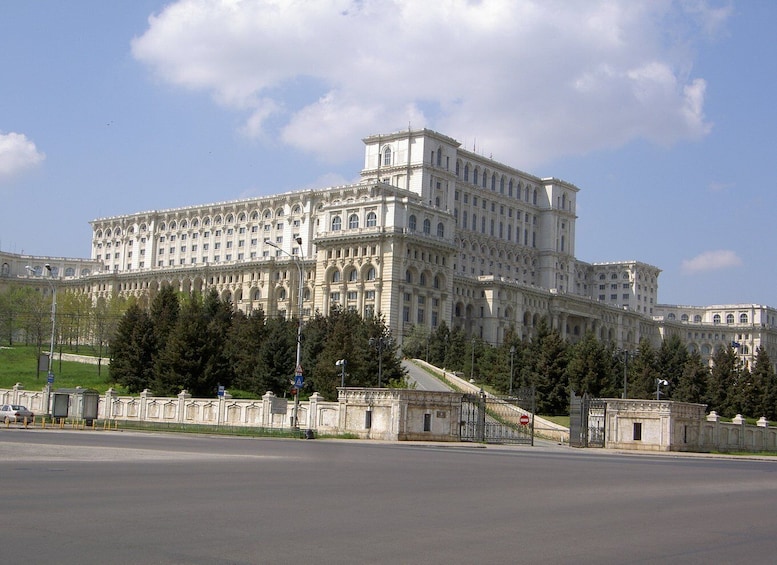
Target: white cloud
17,153
711,261
532,80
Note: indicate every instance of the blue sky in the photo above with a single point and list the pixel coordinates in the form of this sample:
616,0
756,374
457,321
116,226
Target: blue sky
661,112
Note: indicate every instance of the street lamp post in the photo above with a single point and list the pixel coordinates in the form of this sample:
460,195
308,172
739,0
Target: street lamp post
341,363
626,355
472,364
380,343
298,380
512,355
50,374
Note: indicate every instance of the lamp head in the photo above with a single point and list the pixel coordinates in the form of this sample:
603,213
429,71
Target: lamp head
48,267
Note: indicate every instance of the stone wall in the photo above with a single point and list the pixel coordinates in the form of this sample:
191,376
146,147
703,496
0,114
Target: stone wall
369,413
650,425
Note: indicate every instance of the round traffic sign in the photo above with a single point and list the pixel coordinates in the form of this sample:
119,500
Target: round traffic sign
524,419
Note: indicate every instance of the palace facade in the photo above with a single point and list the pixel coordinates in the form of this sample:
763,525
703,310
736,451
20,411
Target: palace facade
431,233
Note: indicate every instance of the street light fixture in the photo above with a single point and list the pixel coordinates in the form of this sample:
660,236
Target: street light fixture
659,384
380,343
298,380
50,375
341,363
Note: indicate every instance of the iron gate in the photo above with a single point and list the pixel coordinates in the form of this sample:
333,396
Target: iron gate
587,418
498,419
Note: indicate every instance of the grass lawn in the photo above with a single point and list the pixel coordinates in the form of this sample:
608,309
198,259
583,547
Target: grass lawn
18,364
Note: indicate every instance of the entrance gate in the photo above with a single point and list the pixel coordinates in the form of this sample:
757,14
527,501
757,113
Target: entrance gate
587,421
498,419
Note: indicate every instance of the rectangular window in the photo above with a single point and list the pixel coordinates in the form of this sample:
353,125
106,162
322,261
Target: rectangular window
368,419
427,422
637,431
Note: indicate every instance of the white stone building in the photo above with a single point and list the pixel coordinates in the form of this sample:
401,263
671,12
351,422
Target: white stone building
432,232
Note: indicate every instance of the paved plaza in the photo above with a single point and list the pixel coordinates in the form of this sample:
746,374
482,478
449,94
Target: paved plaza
122,497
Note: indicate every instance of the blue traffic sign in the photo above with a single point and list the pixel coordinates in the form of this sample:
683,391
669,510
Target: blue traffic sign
50,378
299,381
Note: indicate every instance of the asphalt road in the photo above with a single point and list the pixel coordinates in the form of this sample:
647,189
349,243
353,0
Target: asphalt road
423,380
120,497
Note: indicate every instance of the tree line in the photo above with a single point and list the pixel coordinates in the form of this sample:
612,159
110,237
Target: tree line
25,318
199,342
556,367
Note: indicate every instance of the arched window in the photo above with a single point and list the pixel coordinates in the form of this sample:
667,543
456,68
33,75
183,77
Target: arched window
436,282
372,219
671,316
371,274
387,156
70,272
716,319
352,275
697,319
422,279
730,318
493,182
743,318
466,172
335,276
439,156
408,277
458,165
440,230
353,222
337,223
684,318
411,222
427,226
475,176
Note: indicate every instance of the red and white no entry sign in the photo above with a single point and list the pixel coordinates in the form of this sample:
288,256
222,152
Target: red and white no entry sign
524,419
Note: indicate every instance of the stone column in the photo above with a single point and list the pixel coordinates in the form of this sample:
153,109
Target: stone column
183,396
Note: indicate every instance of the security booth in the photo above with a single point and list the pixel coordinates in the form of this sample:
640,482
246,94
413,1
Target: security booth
77,403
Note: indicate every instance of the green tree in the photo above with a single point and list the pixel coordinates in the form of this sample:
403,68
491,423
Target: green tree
671,359
439,342
457,350
415,344
164,311
692,383
722,382
243,342
763,370
643,373
181,364
589,368
132,348
547,371
218,321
